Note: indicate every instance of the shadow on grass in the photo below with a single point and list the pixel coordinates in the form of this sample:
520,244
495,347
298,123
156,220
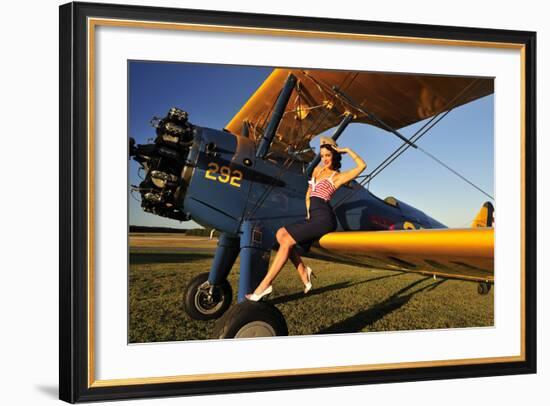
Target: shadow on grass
370,316
178,258
329,288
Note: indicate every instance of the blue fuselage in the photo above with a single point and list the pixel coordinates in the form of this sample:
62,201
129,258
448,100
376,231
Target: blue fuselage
227,184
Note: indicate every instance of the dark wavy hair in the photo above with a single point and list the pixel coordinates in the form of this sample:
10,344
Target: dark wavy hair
336,157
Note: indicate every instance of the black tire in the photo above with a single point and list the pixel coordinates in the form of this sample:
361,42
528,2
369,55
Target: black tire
200,305
483,288
251,319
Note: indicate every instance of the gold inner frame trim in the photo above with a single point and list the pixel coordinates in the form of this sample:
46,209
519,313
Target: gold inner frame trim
522,180
294,372
297,33
91,205
93,22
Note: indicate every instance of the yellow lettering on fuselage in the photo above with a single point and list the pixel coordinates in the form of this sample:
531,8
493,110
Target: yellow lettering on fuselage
223,174
407,225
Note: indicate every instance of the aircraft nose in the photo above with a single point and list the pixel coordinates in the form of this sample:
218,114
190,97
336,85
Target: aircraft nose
174,131
163,161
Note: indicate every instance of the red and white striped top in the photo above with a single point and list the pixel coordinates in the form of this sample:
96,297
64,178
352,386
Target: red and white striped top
323,189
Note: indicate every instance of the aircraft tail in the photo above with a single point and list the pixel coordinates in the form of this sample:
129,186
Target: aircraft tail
485,216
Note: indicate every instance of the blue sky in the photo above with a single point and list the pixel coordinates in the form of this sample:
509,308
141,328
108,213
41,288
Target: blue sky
213,94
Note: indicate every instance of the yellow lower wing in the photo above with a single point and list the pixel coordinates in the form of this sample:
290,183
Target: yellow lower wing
457,253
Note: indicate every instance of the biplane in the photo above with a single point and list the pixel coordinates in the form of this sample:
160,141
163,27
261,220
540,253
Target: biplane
250,179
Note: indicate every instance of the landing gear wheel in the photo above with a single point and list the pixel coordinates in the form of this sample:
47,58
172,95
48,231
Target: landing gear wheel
483,288
203,301
251,319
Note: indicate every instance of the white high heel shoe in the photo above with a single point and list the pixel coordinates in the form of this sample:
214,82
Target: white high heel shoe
309,275
256,298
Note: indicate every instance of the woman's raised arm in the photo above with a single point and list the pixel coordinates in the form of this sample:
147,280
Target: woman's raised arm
349,175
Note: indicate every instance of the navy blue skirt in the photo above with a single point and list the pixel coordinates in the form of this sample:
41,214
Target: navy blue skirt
321,221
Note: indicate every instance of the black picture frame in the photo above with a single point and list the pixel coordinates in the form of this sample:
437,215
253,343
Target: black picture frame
75,384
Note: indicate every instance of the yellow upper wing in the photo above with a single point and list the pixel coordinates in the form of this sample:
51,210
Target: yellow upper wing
397,99
458,253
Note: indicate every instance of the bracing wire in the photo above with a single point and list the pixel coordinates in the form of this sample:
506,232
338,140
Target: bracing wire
415,137
403,147
457,174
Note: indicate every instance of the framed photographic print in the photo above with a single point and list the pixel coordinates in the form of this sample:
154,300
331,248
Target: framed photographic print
255,202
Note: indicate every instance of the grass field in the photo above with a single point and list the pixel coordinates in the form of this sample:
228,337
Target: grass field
344,299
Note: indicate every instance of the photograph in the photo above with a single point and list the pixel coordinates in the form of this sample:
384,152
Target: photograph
254,202
281,201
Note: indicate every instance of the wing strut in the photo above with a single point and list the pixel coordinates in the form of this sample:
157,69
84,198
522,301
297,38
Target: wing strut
280,106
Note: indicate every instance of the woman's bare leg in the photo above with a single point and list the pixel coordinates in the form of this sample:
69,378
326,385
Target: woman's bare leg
299,264
286,243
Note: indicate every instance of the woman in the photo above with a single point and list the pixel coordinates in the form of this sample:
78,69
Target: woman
320,219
